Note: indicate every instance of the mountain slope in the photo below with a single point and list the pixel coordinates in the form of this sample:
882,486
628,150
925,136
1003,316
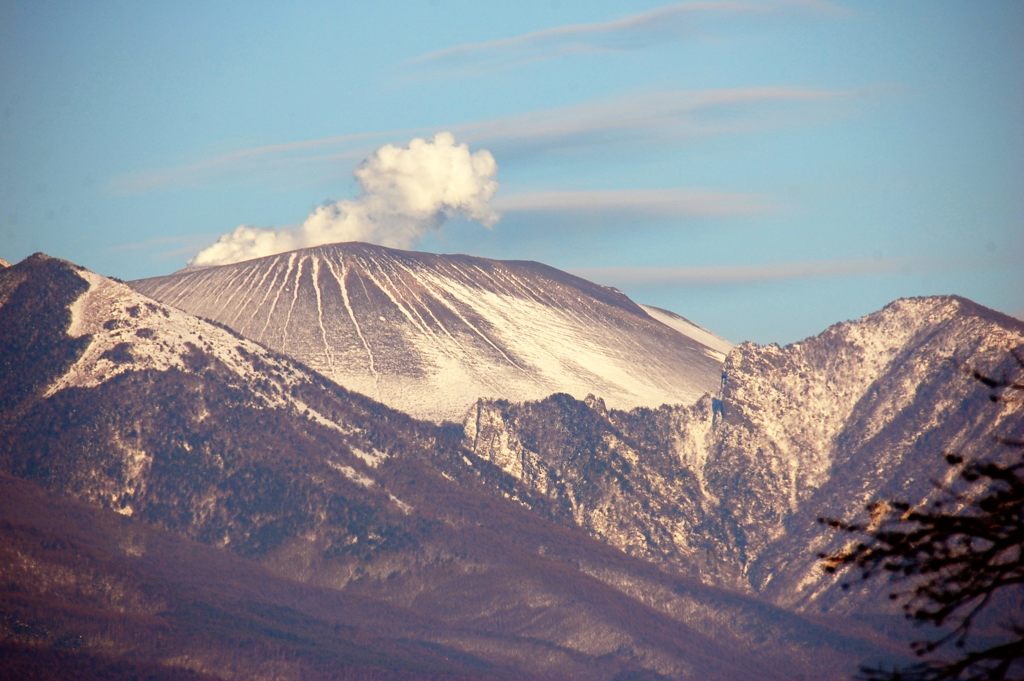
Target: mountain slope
734,484
429,334
137,409
90,594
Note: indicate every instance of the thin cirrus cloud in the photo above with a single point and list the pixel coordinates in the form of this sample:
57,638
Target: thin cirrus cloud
627,32
789,271
677,203
164,247
246,159
662,116
672,116
745,274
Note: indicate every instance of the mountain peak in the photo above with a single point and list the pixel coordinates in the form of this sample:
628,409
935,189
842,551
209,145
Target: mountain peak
951,304
430,334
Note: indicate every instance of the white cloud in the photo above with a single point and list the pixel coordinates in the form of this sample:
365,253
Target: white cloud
406,191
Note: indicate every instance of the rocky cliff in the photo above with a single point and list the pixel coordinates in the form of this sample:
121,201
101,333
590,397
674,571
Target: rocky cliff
733,484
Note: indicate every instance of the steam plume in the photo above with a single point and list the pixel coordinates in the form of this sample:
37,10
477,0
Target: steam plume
405,192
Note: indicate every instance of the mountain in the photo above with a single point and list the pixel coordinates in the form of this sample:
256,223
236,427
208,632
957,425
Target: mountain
430,334
181,502
733,484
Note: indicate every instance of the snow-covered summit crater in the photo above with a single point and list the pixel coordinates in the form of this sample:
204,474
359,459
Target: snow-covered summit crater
430,334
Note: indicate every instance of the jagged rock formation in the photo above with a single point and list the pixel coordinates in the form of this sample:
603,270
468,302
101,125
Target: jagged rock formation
734,484
150,429
429,334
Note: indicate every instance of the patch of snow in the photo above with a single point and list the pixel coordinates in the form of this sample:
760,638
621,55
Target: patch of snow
373,458
159,337
402,506
316,417
353,475
715,347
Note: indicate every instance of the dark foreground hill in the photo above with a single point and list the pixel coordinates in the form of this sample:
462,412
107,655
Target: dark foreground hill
183,503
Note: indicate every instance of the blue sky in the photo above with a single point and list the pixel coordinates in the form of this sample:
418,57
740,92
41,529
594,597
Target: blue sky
763,168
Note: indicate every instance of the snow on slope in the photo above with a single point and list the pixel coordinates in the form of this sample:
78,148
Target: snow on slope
734,485
129,332
799,398
717,347
430,334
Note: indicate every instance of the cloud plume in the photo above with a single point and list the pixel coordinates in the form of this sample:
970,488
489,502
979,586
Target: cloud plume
405,192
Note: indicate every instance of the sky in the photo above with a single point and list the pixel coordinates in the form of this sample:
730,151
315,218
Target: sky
764,168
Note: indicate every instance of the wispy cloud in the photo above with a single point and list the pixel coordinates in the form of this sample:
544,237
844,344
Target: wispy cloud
637,203
663,116
164,247
197,171
785,271
743,274
626,32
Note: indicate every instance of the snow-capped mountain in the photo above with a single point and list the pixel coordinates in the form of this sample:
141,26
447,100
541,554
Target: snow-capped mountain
558,538
734,484
246,514
430,334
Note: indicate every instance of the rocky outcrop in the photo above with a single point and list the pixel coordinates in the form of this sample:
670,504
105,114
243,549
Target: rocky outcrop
733,485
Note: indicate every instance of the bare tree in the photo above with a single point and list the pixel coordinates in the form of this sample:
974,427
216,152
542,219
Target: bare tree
952,560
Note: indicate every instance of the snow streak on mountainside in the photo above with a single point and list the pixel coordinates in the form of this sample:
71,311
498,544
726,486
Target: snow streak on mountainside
429,334
734,485
717,347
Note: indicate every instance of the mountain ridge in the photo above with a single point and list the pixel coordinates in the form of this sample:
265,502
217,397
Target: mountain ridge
734,483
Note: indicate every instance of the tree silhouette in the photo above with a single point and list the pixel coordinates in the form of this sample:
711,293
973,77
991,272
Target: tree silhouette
953,560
